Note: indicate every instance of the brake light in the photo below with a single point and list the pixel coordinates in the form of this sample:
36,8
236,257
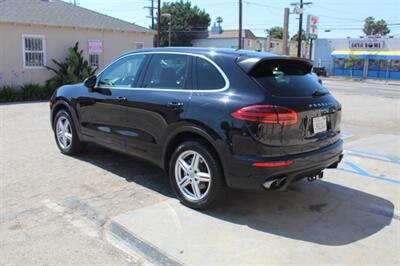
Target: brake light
273,164
267,114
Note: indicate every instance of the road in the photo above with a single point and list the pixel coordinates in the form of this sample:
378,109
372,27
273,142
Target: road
363,88
106,208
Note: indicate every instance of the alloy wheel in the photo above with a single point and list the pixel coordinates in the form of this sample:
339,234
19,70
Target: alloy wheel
64,132
193,175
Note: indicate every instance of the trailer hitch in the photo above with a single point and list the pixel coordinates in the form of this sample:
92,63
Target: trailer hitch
320,175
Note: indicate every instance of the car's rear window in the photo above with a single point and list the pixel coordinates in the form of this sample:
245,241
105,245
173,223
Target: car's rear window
286,78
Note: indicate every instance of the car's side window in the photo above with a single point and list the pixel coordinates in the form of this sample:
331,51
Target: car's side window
122,73
208,76
167,71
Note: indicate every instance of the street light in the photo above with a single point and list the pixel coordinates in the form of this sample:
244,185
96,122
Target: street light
168,15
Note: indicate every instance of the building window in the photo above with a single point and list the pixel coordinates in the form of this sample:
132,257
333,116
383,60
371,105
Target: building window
94,60
139,45
34,51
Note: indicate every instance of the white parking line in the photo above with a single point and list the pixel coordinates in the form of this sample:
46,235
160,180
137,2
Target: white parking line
83,225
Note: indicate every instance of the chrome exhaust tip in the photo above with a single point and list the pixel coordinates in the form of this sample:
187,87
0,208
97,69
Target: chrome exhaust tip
274,183
268,184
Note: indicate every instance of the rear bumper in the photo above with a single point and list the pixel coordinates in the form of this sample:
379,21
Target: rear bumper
242,175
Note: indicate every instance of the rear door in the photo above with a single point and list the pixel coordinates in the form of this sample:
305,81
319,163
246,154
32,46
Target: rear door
160,100
291,85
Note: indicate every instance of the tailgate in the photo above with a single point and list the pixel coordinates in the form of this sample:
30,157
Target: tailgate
290,84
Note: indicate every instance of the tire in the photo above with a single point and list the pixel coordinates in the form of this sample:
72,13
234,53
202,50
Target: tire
195,192
67,140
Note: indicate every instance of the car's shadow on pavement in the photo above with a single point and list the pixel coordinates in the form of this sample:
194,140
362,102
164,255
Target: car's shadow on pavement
320,212
130,168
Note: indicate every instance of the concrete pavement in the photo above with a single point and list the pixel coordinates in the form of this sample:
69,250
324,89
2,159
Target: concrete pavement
110,209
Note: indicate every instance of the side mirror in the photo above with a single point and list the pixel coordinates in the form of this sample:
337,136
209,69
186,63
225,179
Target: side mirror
90,82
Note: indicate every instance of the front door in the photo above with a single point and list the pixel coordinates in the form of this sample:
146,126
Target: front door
102,110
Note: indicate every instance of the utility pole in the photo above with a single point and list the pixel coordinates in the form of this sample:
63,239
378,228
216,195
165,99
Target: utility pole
152,14
169,32
151,9
240,42
285,31
158,23
299,10
74,2
169,15
300,29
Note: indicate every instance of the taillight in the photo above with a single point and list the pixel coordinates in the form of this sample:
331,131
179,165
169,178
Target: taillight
273,164
339,108
267,114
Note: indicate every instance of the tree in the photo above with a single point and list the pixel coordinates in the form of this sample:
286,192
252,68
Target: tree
303,36
369,26
350,63
74,70
275,32
379,27
187,22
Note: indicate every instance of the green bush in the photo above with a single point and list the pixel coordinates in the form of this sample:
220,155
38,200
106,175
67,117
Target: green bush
28,92
9,94
74,69
36,92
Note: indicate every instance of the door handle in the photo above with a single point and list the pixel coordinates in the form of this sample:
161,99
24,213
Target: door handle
121,99
175,105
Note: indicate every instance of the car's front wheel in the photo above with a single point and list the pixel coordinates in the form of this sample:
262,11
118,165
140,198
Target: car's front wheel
65,134
196,176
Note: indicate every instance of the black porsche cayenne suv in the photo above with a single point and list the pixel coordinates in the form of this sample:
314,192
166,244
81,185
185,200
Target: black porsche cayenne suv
211,118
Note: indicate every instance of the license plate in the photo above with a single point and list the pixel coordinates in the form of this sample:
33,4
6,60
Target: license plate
319,124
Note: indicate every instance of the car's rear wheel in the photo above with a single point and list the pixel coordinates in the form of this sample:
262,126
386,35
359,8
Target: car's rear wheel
196,176
65,134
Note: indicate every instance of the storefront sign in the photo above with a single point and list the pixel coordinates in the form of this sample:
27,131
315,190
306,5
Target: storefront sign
312,27
367,44
95,47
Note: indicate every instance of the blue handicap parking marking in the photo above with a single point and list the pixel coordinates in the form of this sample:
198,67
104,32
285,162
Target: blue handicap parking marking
359,171
373,155
355,169
345,134
394,159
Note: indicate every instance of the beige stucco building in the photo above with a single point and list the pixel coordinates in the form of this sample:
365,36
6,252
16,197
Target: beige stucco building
33,32
229,39
220,38
276,46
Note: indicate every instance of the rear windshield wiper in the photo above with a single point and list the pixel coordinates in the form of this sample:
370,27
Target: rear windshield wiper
318,93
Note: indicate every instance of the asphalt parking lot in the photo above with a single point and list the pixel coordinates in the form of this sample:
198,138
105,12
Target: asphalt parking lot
107,208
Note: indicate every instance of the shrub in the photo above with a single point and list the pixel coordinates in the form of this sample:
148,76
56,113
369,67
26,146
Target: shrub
74,70
9,94
28,92
33,92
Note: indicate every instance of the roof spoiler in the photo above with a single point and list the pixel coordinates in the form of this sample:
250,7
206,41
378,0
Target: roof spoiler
248,64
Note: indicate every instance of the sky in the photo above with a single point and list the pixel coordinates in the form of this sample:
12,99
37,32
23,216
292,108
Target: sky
342,18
